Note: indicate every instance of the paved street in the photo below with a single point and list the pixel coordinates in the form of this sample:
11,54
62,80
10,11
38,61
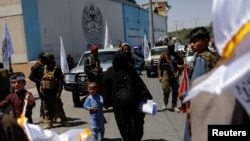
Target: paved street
165,126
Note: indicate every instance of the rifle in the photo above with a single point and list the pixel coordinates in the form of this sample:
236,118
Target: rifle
167,58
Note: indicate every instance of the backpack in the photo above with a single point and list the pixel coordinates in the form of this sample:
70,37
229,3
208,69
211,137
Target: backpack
48,80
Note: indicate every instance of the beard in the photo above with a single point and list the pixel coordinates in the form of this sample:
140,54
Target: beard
95,55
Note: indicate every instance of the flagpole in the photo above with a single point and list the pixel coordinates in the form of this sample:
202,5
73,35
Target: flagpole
10,66
7,48
151,24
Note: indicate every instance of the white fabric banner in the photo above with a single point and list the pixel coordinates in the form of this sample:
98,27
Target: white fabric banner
146,49
229,17
241,90
7,46
63,58
36,133
107,41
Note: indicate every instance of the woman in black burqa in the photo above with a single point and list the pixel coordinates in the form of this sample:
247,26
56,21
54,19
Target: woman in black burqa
124,90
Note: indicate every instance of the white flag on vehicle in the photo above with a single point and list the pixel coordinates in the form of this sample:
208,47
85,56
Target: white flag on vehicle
7,46
146,49
107,41
63,58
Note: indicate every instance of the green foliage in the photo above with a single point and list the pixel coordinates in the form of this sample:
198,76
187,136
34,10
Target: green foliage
183,34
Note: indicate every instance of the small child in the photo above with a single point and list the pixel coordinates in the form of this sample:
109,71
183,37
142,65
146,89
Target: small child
17,98
94,103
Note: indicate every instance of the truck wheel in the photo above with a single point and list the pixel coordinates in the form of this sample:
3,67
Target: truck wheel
76,100
148,73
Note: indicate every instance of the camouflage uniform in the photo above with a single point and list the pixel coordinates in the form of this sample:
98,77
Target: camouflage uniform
210,60
53,105
35,76
168,81
93,71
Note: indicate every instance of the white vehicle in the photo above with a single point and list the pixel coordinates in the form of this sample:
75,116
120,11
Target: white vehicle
76,80
189,57
151,65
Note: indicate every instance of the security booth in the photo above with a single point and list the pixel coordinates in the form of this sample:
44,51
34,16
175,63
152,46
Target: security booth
5,84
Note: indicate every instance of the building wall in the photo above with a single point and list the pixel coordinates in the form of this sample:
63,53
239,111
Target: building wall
74,24
11,11
55,21
80,23
31,29
135,25
160,27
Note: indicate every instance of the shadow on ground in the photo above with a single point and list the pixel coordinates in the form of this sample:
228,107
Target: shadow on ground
119,139
154,140
71,124
72,119
108,111
116,139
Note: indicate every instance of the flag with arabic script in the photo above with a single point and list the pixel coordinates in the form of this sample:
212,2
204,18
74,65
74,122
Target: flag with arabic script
7,46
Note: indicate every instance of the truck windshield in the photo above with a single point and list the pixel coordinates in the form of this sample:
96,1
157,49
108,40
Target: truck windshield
157,51
104,57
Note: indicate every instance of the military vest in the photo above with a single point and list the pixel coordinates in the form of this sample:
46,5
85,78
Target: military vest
210,59
94,65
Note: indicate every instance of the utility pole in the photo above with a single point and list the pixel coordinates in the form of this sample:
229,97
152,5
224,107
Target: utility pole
151,24
196,21
176,34
181,25
168,7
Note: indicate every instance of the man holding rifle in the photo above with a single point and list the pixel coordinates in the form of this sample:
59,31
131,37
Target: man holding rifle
168,76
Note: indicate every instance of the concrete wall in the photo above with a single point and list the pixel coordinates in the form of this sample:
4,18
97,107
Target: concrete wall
81,23
160,27
71,20
11,11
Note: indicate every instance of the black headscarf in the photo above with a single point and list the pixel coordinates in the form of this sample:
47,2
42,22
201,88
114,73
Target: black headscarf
120,61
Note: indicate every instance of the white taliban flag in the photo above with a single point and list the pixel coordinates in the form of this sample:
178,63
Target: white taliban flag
107,41
146,49
63,58
231,28
7,46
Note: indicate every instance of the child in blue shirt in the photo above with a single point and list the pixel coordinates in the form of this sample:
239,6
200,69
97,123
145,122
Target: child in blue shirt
94,103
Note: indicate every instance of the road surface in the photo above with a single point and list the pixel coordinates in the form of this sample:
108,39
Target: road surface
164,126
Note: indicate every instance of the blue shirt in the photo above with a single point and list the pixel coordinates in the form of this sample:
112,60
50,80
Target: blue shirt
199,68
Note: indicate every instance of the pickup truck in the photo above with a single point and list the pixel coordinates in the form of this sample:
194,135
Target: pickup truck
152,64
76,80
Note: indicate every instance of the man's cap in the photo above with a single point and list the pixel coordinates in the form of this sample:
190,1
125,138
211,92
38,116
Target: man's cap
18,76
40,55
136,47
47,54
125,44
94,48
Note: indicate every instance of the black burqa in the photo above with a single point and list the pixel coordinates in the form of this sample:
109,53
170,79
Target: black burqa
123,90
